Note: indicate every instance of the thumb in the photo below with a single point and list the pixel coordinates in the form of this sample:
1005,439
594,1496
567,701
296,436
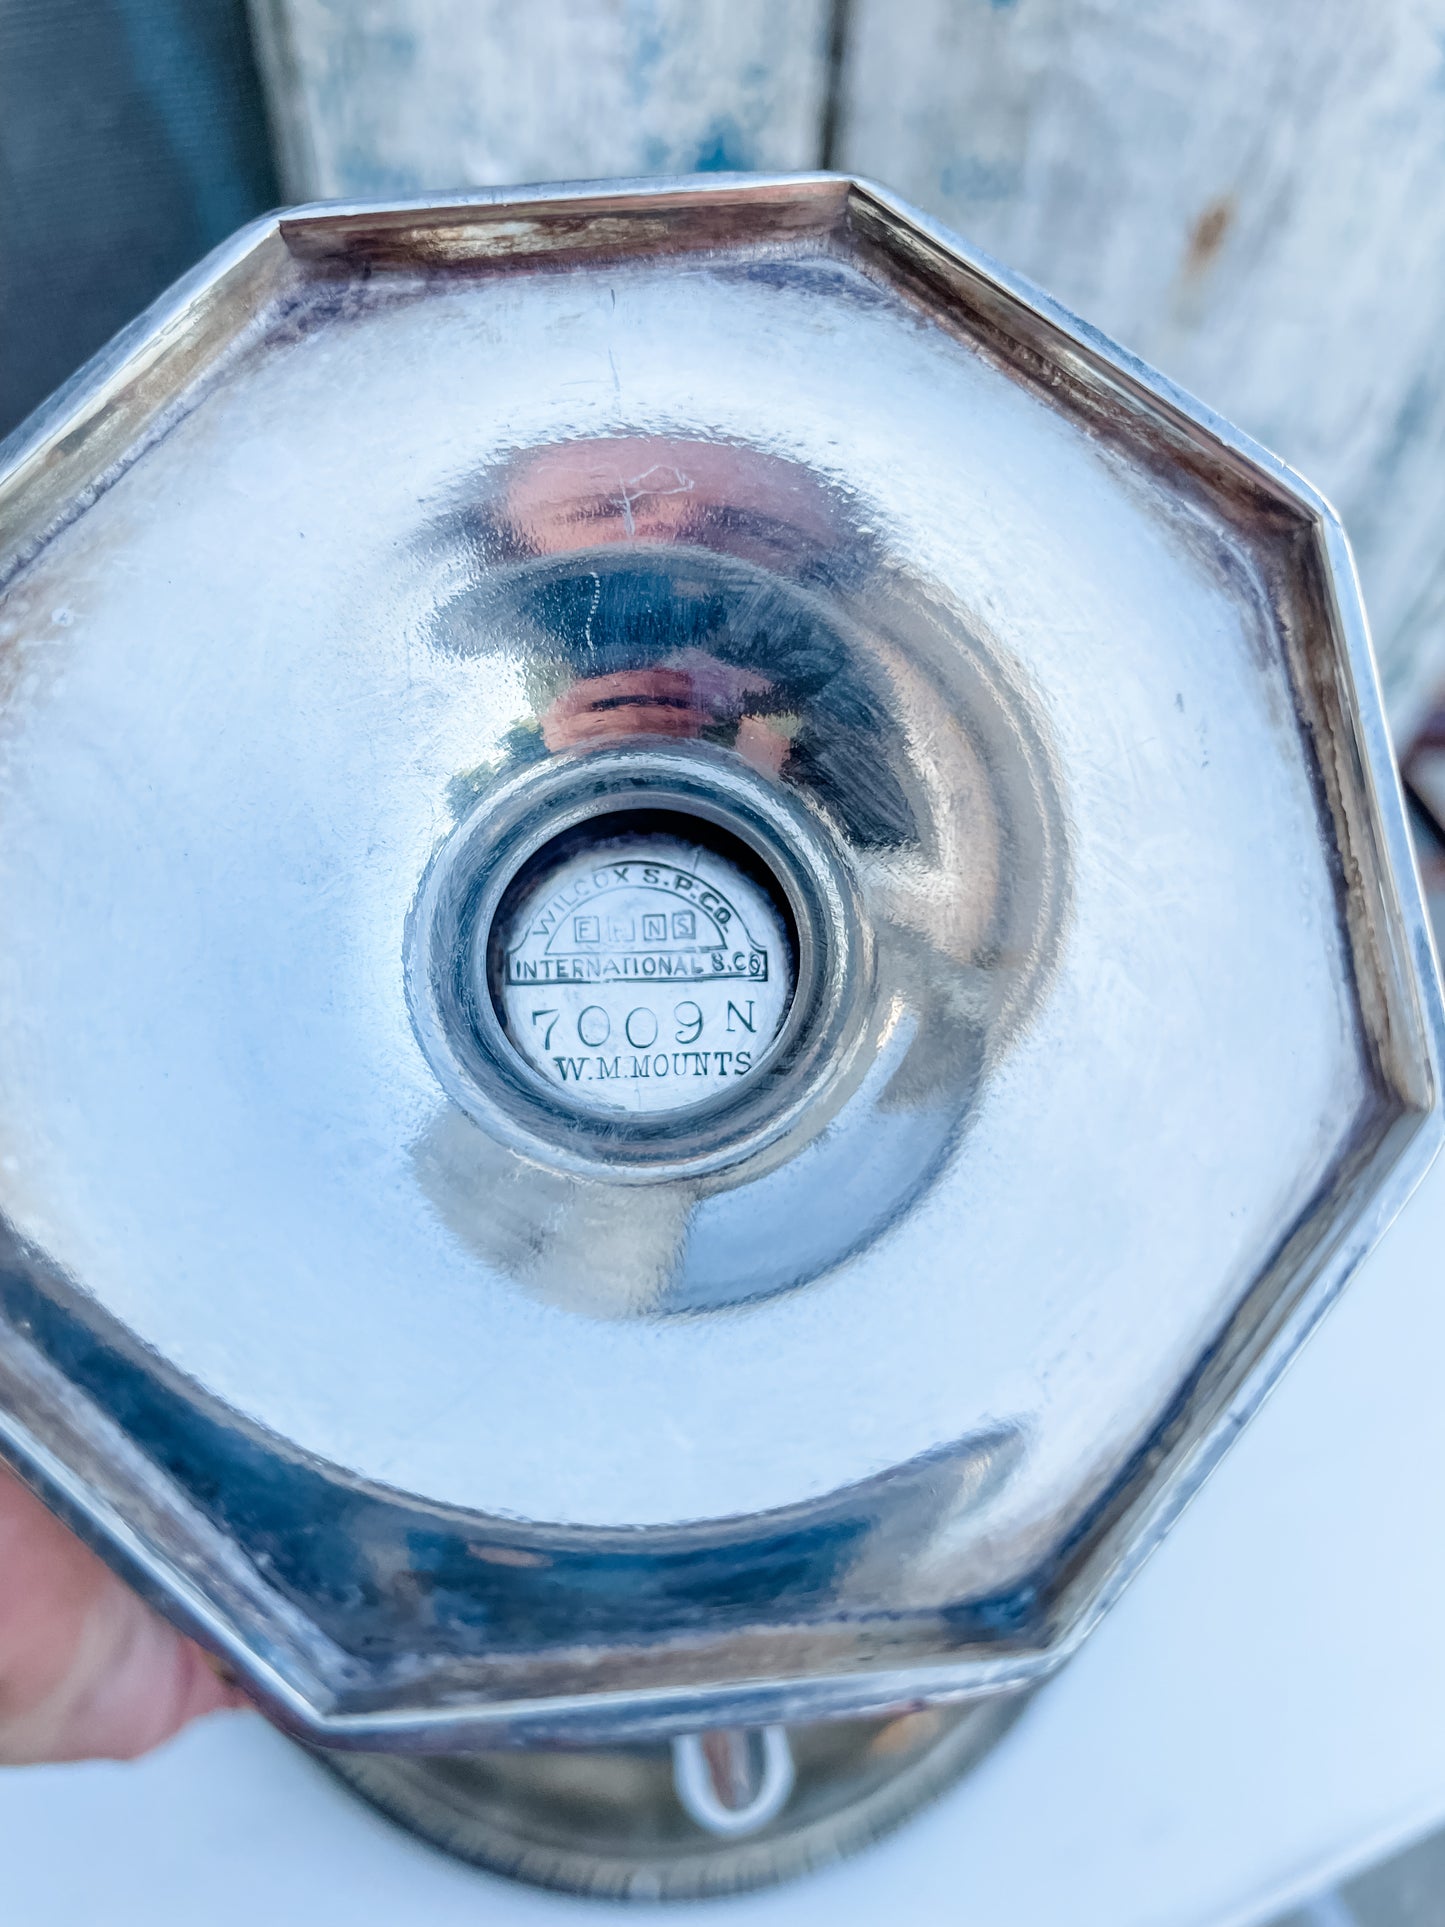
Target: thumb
87,1670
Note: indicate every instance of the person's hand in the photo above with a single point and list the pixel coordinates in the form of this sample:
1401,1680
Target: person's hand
87,1671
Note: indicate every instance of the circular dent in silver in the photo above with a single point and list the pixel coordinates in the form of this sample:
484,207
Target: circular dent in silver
463,1034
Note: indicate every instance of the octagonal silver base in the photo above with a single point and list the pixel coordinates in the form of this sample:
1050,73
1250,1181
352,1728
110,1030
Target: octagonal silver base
654,1822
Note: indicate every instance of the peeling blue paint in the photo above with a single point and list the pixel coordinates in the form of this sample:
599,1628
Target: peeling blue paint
970,177
724,149
648,42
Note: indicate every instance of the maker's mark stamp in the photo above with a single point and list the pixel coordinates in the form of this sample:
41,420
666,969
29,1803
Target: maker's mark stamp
644,975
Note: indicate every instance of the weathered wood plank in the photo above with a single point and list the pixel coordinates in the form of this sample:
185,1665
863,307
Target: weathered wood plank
401,96
1252,197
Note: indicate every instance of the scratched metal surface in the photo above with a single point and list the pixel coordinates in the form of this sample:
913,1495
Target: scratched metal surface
1078,688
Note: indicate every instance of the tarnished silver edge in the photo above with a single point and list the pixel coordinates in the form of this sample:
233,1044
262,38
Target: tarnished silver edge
1419,1145
88,390
30,1384
141,340
91,383
303,1687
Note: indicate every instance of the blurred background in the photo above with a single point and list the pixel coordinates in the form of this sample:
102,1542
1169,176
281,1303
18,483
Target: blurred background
1251,196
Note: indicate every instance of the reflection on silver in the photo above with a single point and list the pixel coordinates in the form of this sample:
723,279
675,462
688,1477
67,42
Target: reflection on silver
717,1785
610,1821
401,542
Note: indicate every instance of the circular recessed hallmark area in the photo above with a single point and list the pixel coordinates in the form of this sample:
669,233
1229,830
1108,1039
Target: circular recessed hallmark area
642,963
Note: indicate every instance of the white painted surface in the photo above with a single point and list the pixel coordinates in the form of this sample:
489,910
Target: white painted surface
375,97
1265,1708
1251,197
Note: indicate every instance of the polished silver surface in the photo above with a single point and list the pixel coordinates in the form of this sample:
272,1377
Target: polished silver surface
710,1815
399,543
